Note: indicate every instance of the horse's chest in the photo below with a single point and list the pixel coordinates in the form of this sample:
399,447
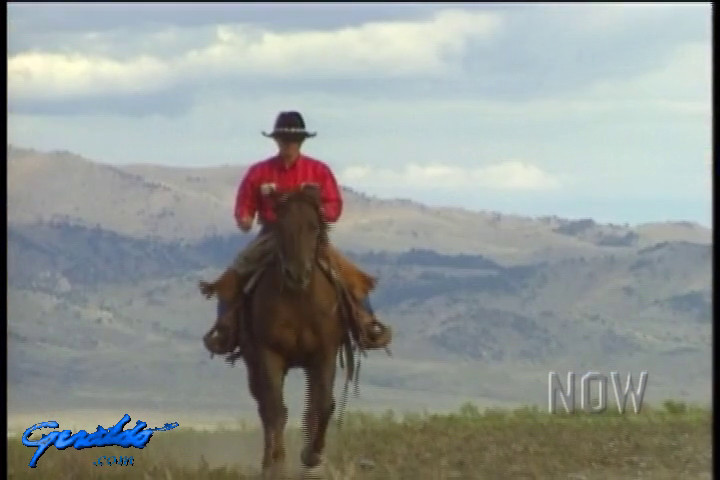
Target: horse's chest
299,311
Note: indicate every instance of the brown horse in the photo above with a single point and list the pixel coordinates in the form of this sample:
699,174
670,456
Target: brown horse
295,319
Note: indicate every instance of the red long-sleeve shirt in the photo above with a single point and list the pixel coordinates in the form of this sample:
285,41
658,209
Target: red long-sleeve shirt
273,174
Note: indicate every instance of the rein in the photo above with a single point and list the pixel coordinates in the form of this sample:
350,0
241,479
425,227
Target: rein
320,241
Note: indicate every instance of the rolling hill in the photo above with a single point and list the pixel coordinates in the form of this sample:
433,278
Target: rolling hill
103,309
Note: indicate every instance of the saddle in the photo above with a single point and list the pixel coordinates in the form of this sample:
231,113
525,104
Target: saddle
231,330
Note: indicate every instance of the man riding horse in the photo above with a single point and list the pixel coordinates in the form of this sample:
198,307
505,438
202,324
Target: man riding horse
287,171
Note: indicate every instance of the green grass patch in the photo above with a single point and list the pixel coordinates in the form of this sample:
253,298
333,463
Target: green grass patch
666,442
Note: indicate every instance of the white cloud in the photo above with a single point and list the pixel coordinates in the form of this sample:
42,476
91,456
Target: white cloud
384,49
509,175
48,75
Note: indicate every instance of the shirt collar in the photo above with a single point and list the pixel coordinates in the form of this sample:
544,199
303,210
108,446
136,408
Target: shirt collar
281,165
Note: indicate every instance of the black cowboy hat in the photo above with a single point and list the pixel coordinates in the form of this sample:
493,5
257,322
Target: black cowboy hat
289,124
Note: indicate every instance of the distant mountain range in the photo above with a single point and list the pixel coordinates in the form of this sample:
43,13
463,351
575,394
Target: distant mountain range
103,264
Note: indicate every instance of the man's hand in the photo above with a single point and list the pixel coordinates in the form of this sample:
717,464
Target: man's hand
245,223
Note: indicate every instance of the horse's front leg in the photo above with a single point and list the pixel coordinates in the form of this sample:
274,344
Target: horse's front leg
266,385
320,378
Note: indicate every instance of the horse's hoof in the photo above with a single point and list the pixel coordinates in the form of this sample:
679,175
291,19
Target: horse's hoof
276,472
316,472
309,458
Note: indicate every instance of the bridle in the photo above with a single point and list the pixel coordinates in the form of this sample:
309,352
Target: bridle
320,240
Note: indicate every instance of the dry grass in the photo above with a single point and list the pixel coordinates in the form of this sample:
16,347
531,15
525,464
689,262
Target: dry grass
668,443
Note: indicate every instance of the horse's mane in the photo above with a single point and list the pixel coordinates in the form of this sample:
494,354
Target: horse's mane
307,195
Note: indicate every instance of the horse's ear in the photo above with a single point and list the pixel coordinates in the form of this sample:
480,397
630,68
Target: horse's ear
278,196
280,199
312,189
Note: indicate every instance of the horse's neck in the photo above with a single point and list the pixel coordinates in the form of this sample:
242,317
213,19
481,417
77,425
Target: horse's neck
274,275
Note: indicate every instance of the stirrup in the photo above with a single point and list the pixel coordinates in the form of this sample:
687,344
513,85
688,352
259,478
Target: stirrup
379,338
222,338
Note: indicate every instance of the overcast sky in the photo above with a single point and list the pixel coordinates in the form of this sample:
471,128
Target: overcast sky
584,110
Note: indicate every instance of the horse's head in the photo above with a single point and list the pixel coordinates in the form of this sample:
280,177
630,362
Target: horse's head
299,229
